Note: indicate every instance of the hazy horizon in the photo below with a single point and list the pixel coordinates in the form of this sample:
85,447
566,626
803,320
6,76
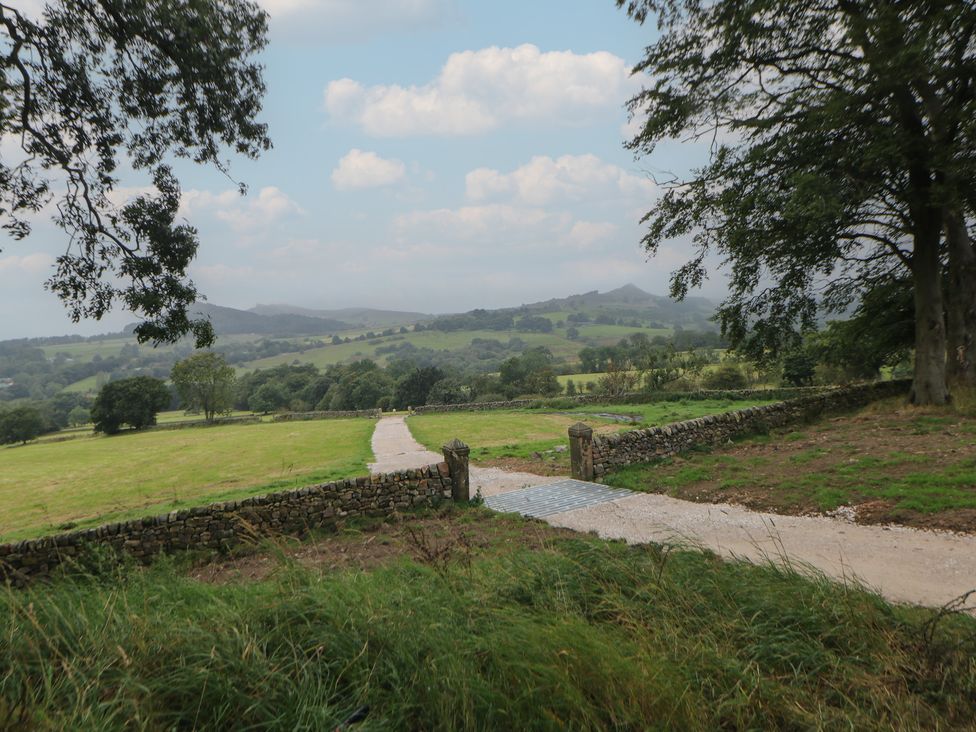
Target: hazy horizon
430,155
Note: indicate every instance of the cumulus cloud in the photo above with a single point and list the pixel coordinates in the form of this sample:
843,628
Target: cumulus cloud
359,169
32,264
587,234
477,91
497,225
568,178
354,20
242,213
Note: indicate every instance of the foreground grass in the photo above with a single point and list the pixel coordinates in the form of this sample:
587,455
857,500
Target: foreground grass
573,634
85,482
500,435
899,463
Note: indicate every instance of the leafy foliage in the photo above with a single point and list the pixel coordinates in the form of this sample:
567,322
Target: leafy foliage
841,134
20,424
205,382
91,85
134,402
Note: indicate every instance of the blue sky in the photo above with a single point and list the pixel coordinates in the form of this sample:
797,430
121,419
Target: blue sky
432,155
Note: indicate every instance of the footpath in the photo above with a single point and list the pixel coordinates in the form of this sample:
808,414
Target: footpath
902,564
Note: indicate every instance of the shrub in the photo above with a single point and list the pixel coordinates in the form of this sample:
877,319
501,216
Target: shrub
726,376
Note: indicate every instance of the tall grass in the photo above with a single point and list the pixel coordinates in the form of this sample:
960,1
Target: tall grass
578,635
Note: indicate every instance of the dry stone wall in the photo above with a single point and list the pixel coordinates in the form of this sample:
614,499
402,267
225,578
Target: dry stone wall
306,416
224,525
635,398
639,446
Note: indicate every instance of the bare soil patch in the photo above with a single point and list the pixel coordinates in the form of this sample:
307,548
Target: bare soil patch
444,536
883,465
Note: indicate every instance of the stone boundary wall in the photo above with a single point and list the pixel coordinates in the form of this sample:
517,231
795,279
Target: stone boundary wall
201,423
223,525
640,446
634,398
306,416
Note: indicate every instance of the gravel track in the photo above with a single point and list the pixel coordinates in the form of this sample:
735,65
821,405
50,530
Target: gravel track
902,564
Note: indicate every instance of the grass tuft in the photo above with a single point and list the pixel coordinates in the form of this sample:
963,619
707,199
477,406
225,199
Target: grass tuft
580,634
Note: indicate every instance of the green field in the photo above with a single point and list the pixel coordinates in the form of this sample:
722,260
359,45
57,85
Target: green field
519,434
496,434
178,415
519,627
90,481
881,457
581,380
556,342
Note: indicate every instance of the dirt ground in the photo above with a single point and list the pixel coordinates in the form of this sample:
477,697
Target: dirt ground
880,466
441,536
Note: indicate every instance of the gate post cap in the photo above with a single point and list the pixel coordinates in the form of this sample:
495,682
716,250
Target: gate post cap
456,446
580,430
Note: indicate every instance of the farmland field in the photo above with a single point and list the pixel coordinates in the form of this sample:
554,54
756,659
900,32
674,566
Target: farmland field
517,435
887,463
86,482
556,342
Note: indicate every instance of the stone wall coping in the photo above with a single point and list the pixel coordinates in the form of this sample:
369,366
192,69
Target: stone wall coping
110,529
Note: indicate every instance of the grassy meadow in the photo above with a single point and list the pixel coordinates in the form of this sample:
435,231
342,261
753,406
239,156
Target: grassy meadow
517,626
556,342
85,482
518,434
891,462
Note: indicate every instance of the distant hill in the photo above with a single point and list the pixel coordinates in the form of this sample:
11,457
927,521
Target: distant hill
360,317
230,321
629,302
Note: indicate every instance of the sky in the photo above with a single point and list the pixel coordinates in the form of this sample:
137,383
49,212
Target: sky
429,155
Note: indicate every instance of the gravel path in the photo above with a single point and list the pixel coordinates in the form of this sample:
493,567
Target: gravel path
903,564
394,448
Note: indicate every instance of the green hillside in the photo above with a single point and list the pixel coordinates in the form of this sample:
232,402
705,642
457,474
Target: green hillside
557,342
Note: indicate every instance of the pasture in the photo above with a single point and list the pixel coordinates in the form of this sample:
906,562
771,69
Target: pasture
888,462
517,435
556,342
83,482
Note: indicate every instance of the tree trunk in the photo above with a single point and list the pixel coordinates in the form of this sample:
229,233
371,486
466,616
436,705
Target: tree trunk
960,302
929,386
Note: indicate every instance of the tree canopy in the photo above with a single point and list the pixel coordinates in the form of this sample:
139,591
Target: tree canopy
205,382
841,144
95,85
20,424
135,401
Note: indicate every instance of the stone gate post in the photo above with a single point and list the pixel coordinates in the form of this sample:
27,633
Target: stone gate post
581,451
456,457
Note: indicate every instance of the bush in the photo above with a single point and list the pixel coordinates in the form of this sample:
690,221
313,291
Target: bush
726,376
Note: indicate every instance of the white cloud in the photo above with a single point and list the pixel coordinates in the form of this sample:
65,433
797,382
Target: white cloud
31,8
587,234
477,91
355,20
494,225
568,178
32,264
242,213
359,169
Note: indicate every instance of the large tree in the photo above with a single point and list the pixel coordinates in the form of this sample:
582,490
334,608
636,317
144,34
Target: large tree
841,146
205,382
20,424
92,86
135,401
